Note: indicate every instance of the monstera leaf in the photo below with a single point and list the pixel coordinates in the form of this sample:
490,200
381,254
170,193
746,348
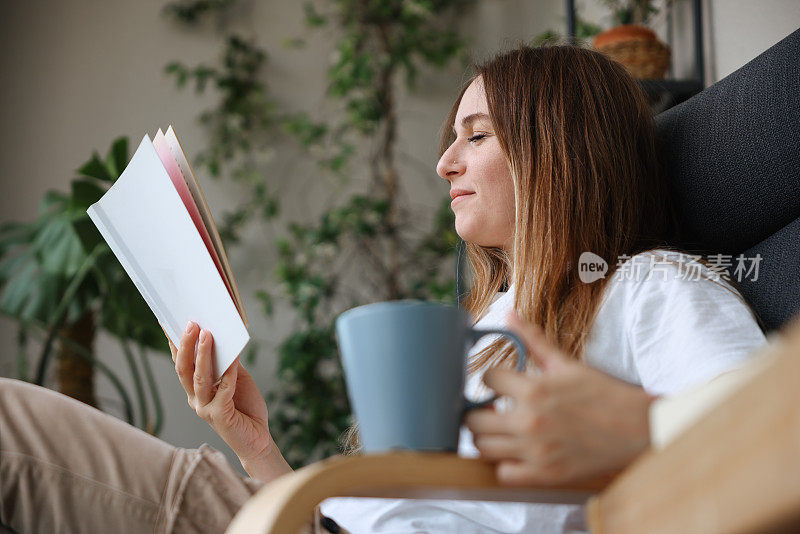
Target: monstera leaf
40,260
57,268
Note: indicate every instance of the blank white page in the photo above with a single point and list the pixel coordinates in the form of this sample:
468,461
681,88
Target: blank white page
145,222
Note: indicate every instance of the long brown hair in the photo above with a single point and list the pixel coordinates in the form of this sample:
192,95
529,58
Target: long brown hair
580,141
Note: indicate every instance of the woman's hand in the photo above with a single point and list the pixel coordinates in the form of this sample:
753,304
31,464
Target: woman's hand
570,423
234,408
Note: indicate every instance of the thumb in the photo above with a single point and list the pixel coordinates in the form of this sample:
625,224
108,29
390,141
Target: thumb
544,353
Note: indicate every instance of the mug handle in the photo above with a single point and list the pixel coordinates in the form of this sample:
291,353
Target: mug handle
523,357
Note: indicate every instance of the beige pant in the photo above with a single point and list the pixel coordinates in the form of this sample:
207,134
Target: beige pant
67,467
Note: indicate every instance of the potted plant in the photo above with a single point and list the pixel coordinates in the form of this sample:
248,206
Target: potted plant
59,279
631,42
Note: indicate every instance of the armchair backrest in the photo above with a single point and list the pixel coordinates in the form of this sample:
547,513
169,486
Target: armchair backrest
732,155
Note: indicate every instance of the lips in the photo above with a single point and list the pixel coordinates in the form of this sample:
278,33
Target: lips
455,193
459,196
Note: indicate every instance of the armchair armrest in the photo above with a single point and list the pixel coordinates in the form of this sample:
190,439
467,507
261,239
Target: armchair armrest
735,468
286,504
732,466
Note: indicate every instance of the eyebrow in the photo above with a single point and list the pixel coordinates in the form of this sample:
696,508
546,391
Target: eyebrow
467,121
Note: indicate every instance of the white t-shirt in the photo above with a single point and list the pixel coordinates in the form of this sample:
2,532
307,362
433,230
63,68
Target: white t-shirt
658,326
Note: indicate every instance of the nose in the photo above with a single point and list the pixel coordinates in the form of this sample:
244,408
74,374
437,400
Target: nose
450,165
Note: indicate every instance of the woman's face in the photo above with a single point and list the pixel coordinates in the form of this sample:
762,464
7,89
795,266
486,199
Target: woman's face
480,179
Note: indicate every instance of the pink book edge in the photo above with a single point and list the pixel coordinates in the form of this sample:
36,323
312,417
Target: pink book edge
174,172
205,212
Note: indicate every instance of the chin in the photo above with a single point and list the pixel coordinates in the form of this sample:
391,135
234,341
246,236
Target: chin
466,231
471,233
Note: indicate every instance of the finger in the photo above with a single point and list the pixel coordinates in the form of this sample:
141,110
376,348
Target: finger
498,447
508,382
227,386
184,362
546,355
204,369
518,473
172,348
485,421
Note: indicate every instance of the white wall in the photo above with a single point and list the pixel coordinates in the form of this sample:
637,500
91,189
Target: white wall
78,73
742,29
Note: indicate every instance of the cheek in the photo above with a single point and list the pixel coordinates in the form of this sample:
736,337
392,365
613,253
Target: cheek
498,188
490,221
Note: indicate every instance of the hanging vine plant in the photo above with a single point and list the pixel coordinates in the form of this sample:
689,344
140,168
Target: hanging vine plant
240,126
371,237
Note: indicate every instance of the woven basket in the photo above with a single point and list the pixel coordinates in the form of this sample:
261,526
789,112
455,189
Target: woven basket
636,47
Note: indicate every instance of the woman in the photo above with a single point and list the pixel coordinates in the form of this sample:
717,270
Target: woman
553,155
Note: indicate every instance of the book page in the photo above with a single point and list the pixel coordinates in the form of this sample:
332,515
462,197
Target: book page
146,224
171,166
205,213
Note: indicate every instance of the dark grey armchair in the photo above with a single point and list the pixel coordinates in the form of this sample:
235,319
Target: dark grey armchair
732,153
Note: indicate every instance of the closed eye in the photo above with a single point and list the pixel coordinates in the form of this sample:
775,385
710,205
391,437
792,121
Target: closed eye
477,137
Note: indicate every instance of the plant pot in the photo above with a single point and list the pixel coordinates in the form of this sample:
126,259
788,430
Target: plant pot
637,48
75,374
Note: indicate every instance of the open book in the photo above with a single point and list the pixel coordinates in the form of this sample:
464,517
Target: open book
157,222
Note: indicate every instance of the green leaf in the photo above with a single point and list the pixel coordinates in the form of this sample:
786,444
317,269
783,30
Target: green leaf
19,290
42,300
14,234
94,168
313,17
293,42
85,193
180,72
13,228
87,234
546,37
59,248
266,302
51,201
117,158
10,265
250,353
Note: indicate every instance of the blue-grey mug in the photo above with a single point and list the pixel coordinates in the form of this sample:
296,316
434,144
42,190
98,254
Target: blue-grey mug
405,366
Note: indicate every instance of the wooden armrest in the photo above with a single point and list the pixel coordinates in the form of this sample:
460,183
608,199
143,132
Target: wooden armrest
286,504
736,468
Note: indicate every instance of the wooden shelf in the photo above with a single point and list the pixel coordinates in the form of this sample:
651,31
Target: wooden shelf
665,93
